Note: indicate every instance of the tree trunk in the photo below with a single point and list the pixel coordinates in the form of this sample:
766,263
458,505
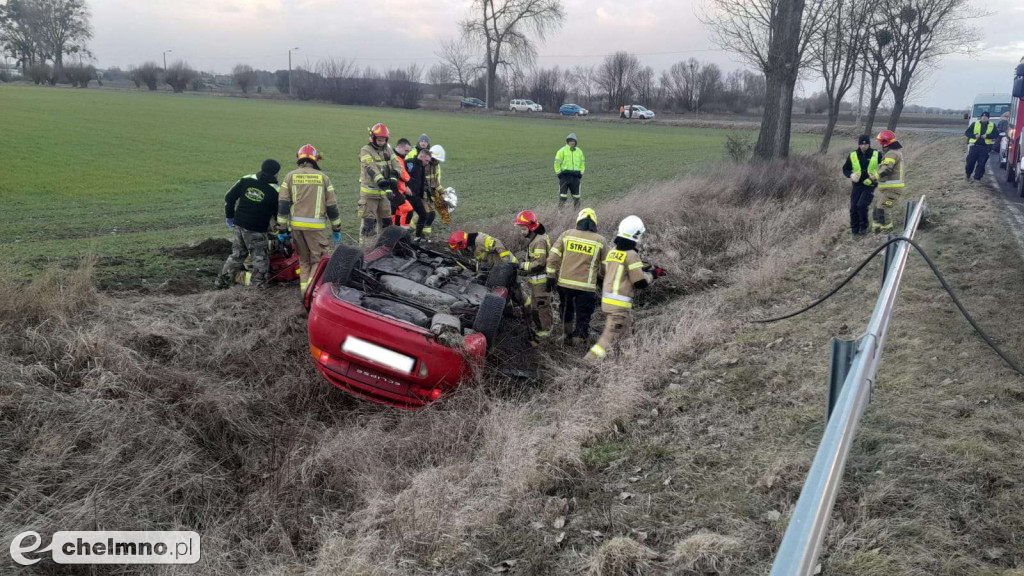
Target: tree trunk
491,84
58,65
877,93
833,118
780,75
899,95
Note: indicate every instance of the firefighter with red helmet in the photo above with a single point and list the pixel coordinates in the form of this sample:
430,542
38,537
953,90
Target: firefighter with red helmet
890,183
485,249
380,170
534,268
307,205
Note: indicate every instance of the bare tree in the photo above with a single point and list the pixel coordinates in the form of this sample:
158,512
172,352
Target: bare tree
441,76
20,32
458,56
404,88
643,85
548,88
615,76
708,86
838,46
582,80
148,74
921,31
505,28
772,35
244,76
64,28
179,75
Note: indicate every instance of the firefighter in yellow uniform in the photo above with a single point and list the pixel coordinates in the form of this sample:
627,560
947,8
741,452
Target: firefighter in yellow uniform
307,205
624,273
534,267
574,266
379,171
486,250
890,183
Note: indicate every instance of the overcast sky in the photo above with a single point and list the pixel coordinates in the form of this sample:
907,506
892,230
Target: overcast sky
216,35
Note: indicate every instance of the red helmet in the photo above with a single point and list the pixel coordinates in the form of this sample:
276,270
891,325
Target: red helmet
458,240
380,131
529,219
308,152
886,137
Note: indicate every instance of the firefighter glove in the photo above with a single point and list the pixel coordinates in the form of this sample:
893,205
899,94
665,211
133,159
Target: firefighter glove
393,185
336,236
552,284
230,222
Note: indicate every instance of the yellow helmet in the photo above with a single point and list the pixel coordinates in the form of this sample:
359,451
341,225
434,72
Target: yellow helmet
586,213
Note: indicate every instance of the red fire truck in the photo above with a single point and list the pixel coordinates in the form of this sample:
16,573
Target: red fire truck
1015,135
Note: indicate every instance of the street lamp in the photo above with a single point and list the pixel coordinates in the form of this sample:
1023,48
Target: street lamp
165,59
291,89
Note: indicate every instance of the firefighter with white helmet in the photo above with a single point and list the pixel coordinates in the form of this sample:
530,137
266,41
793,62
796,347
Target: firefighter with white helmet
307,206
624,274
533,268
574,266
380,169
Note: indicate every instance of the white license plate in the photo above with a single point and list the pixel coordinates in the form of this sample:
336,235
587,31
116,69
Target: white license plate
378,355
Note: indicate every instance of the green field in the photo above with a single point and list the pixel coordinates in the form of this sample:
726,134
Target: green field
127,175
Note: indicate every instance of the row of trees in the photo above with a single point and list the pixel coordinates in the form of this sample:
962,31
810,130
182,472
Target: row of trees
40,33
890,43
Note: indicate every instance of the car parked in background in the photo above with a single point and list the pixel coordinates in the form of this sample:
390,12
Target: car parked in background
472,103
519,105
634,111
572,110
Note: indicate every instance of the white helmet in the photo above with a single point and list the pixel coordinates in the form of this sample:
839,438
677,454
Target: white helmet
451,199
631,228
437,152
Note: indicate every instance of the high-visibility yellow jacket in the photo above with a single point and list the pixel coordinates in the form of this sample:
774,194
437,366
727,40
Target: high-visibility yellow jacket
307,201
489,250
981,130
375,166
890,171
622,270
567,159
535,264
575,259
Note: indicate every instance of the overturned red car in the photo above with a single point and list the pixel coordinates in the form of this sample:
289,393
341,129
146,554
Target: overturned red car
404,323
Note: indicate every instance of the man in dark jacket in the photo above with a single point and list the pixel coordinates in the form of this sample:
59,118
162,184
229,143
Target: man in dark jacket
249,209
980,136
861,168
419,189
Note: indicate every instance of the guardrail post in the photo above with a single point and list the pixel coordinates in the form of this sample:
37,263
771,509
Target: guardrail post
843,352
890,253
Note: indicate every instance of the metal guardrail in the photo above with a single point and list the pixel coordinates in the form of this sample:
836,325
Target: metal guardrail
798,553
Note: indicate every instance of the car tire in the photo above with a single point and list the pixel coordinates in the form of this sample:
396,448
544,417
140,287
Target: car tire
339,268
488,318
391,236
501,276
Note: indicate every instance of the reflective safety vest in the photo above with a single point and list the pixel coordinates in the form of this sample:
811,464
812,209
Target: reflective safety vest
490,250
575,259
536,260
872,165
890,174
568,159
977,132
622,269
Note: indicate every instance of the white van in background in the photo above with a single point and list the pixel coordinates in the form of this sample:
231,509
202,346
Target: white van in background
995,104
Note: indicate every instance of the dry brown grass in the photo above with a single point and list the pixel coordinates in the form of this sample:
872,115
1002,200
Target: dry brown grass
203,412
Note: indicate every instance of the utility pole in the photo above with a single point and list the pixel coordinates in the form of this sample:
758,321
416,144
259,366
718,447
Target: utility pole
165,59
291,88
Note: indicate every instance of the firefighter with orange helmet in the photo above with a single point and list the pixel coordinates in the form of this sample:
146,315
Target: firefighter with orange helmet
485,249
534,268
380,170
307,205
890,183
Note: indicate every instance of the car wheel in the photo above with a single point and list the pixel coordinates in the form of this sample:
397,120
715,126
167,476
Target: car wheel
391,236
501,276
339,269
488,318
